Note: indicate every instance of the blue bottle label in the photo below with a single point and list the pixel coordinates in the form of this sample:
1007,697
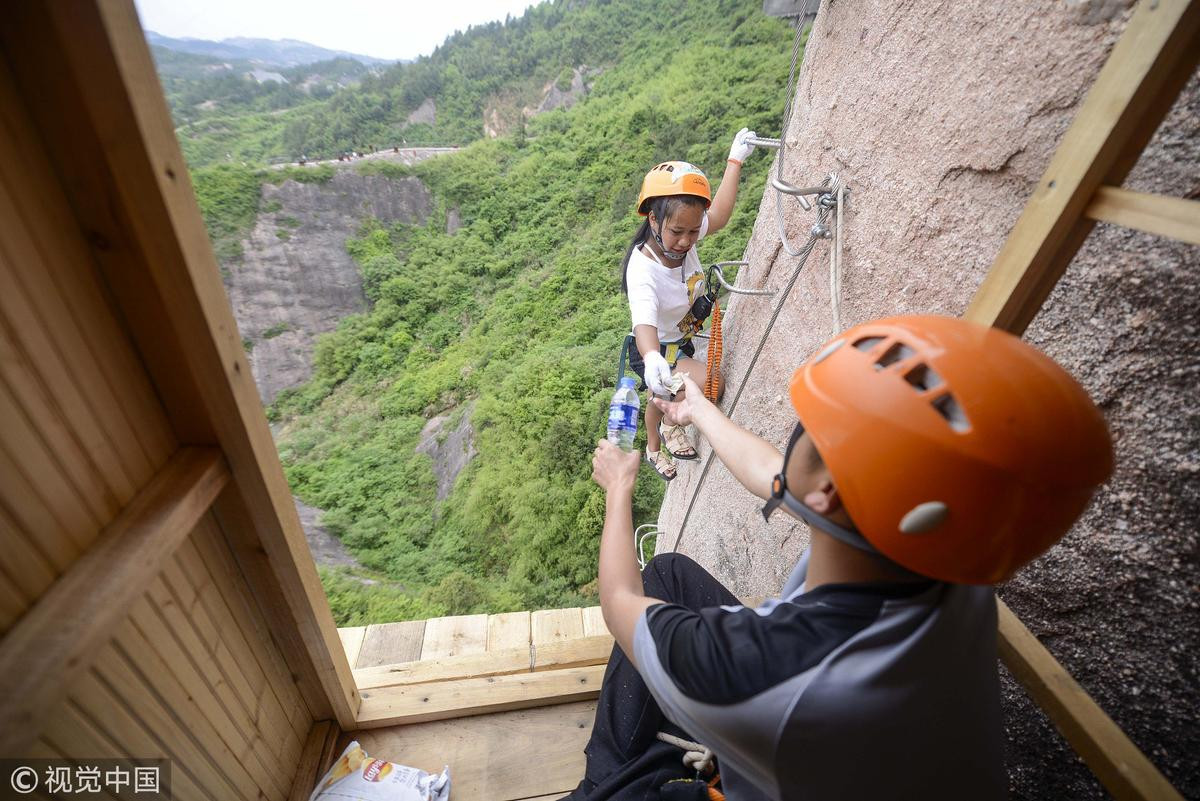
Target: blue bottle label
621,415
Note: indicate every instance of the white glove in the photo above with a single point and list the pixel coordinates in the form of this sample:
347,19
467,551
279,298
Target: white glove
658,373
741,148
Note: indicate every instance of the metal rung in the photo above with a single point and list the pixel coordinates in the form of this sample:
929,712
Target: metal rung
764,141
721,277
788,189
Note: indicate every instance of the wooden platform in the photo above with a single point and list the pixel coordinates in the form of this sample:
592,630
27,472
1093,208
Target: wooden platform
464,635
520,754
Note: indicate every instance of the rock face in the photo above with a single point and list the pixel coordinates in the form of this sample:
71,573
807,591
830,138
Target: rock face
558,98
941,120
426,113
296,279
327,550
450,449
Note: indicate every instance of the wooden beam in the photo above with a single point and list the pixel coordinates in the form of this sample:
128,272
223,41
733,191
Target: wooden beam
1155,214
85,73
394,706
1133,92
308,772
1118,764
580,652
62,633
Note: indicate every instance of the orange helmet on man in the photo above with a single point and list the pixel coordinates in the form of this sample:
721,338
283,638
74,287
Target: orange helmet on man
959,451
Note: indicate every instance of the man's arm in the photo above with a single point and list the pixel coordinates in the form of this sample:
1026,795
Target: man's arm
622,599
751,459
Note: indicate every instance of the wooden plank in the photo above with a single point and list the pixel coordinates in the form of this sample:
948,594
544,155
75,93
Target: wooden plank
331,751
1118,764
212,703
130,190
211,548
392,706
20,560
578,652
508,630
75,735
57,638
388,643
454,636
1133,91
119,686
23,390
12,603
308,769
493,756
550,625
41,469
1155,214
236,680
593,622
198,591
95,702
31,513
352,642
101,386
139,672
286,622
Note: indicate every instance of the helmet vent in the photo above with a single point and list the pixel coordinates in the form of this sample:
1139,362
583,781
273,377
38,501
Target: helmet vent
948,407
866,343
922,378
896,353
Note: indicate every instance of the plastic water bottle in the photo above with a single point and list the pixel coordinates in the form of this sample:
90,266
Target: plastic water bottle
623,415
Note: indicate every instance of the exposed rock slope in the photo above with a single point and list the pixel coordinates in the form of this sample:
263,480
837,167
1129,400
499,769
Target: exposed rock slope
942,119
296,279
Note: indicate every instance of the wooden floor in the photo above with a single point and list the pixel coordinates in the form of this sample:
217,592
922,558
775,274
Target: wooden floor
522,755
464,635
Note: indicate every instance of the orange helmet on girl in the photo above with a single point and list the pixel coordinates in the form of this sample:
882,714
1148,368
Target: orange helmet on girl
959,451
673,178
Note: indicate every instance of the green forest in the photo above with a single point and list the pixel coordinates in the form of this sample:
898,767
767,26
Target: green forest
517,316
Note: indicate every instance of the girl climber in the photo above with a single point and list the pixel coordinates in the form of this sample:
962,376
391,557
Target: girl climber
661,275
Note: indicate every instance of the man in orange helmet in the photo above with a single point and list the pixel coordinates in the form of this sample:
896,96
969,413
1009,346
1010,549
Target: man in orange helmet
932,458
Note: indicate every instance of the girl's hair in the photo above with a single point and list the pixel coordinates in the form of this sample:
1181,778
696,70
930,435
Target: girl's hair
663,209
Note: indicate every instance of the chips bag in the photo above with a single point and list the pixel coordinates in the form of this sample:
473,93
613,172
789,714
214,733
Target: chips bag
357,777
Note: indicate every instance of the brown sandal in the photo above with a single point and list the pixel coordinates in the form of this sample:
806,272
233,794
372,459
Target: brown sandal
676,443
661,462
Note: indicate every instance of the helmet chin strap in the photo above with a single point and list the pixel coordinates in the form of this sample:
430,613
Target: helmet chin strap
673,255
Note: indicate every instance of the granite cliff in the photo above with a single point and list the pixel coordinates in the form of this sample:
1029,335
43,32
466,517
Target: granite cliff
941,121
296,279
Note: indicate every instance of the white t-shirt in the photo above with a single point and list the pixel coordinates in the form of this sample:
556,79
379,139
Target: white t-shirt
658,295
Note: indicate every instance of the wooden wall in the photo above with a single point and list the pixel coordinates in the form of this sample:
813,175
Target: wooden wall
192,674
156,594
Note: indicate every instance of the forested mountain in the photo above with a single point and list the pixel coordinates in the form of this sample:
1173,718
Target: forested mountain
514,318
275,52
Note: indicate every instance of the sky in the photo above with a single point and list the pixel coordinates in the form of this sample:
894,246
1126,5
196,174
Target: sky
380,28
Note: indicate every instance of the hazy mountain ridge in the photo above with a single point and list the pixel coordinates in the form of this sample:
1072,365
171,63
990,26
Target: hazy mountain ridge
274,52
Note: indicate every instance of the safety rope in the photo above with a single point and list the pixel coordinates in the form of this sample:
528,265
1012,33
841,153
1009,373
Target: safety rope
819,231
835,260
696,756
712,381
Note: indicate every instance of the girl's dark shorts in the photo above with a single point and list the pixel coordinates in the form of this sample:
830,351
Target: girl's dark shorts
636,362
